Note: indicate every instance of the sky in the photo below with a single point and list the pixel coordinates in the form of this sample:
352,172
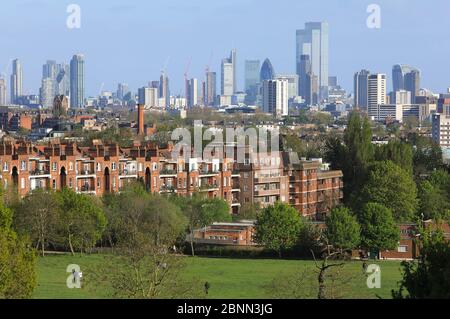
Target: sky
131,41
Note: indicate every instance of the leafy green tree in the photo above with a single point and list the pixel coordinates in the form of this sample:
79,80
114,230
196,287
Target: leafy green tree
36,217
427,154
81,221
391,186
17,261
343,231
379,230
429,277
248,211
398,152
433,202
278,227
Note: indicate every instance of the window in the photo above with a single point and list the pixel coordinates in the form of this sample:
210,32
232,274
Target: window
71,166
5,166
23,166
99,167
245,175
113,166
98,183
140,167
54,166
54,183
114,183
22,183
70,183
402,249
154,167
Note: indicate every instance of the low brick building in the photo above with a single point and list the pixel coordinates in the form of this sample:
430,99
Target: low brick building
235,234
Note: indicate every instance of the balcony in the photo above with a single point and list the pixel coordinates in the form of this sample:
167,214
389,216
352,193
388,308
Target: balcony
86,174
167,172
37,173
209,187
128,173
87,189
167,189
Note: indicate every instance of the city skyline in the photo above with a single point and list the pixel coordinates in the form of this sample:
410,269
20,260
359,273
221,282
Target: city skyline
375,49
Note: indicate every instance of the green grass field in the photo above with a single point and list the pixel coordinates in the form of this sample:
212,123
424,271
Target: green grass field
229,278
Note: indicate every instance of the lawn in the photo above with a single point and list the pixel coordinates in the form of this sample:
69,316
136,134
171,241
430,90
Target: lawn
228,278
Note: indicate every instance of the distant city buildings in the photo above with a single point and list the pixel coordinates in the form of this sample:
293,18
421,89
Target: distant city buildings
276,97
192,98
405,77
16,81
148,97
3,91
211,87
77,81
312,41
361,90
376,93
267,71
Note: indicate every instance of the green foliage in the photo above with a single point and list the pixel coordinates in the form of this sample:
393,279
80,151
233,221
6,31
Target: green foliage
393,187
429,278
433,201
278,227
343,231
17,261
427,154
248,211
397,152
379,230
81,221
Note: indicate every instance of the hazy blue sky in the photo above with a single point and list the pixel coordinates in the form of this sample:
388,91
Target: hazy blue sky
130,40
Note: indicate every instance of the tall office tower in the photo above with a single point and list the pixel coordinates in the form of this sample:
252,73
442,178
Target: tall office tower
401,97
47,92
376,93
192,93
211,88
148,97
16,81
77,81
252,68
49,70
267,71
303,68
405,77
122,90
313,41
361,89
227,78
311,89
233,60
276,97
292,83
2,92
252,84
332,81
412,83
164,89
62,79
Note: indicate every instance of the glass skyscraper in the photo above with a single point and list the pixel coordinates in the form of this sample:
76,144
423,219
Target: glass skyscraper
267,71
16,81
77,81
313,41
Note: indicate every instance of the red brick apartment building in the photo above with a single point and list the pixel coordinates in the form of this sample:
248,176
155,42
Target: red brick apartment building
264,178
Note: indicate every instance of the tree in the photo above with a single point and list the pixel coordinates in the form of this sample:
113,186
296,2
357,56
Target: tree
393,187
433,202
201,212
143,265
17,261
343,231
379,230
427,154
430,276
248,211
397,152
278,227
36,216
81,221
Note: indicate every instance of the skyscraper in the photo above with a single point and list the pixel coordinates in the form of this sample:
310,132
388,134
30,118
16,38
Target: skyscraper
62,79
252,84
2,92
303,68
77,81
361,89
311,89
192,93
405,77
47,92
227,78
275,97
267,71
292,83
313,41
376,93
122,90
16,81
233,60
252,68
210,88
164,89
148,97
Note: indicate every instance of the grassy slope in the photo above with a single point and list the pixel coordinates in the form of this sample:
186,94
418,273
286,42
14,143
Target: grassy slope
229,278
